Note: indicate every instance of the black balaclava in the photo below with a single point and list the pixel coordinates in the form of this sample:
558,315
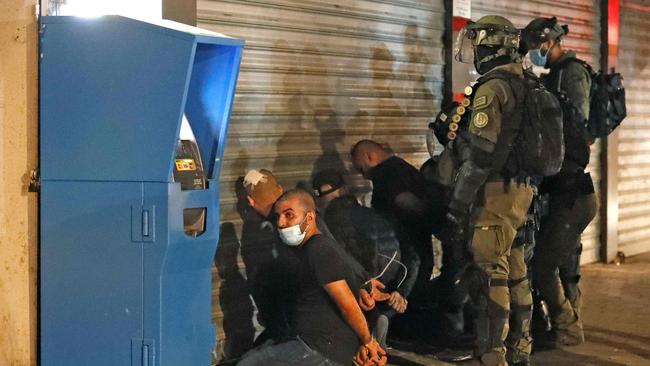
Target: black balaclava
480,52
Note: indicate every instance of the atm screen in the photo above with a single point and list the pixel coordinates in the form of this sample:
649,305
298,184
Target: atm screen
188,171
188,167
185,165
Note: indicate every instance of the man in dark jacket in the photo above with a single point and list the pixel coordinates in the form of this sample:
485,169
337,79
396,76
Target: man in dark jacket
572,202
371,240
270,266
364,233
401,195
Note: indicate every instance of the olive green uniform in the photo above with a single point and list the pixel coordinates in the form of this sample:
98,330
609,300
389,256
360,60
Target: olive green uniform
501,207
572,205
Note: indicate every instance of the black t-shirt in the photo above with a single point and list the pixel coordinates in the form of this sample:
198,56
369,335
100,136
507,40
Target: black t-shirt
317,319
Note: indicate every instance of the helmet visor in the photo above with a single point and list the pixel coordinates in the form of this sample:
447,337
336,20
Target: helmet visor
463,48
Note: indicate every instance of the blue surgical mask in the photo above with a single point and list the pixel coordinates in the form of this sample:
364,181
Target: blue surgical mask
292,235
537,58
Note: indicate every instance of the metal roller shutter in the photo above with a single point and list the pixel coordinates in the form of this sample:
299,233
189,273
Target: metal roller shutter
634,132
582,16
315,78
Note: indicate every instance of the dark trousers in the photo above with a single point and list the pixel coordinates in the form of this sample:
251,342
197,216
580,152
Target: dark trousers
558,243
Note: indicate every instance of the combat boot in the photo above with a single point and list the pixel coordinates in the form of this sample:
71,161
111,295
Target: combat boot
572,336
517,358
569,335
567,328
493,359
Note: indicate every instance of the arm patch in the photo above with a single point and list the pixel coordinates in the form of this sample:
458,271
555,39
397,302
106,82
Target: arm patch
480,102
486,110
480,120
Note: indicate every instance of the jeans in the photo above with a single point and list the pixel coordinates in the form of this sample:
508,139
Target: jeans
292,352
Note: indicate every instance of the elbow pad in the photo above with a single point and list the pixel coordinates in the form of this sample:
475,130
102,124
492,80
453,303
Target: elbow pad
472,147
481,151
469,180
473,172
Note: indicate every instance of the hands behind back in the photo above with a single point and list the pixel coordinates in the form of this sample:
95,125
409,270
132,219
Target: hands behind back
370,354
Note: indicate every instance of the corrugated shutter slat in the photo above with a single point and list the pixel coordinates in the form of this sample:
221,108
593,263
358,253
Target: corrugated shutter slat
634,132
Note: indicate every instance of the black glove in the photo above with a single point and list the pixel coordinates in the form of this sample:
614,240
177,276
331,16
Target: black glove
457,225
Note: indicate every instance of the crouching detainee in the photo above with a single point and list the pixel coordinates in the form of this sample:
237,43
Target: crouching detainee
327,326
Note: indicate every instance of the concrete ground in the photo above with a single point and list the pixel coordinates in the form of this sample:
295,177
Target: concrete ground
616,310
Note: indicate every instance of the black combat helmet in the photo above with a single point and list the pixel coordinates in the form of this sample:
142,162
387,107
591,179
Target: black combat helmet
541,30
492,40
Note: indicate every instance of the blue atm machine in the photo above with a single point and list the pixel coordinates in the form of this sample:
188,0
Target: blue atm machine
129,211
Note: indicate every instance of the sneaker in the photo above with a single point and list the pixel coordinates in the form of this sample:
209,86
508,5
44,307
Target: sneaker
471,362
454,355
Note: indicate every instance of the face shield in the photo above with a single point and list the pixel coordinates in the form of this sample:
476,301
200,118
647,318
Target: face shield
432,142
474,34
464,46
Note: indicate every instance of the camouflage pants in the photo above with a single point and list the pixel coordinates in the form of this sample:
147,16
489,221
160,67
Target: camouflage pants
504,211
557,259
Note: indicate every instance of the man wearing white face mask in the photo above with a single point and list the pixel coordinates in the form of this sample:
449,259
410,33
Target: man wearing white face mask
262,190
327,322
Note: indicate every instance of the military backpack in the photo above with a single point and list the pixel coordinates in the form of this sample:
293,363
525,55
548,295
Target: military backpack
539,143
607,107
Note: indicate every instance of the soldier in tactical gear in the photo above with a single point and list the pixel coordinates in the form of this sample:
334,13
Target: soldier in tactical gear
571,199
519,340
491,195
451,293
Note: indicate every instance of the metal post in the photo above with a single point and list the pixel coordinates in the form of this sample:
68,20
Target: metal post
609,145
448,54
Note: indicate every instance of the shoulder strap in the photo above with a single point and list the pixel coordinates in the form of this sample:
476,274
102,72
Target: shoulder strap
519,90
509,78
559,69
568,60
497,74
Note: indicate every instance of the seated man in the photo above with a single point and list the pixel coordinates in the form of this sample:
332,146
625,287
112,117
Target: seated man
401,194
364,234
328,324
271,266
371,240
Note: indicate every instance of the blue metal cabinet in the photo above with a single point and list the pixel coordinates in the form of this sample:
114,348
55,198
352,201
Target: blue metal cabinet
121,282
